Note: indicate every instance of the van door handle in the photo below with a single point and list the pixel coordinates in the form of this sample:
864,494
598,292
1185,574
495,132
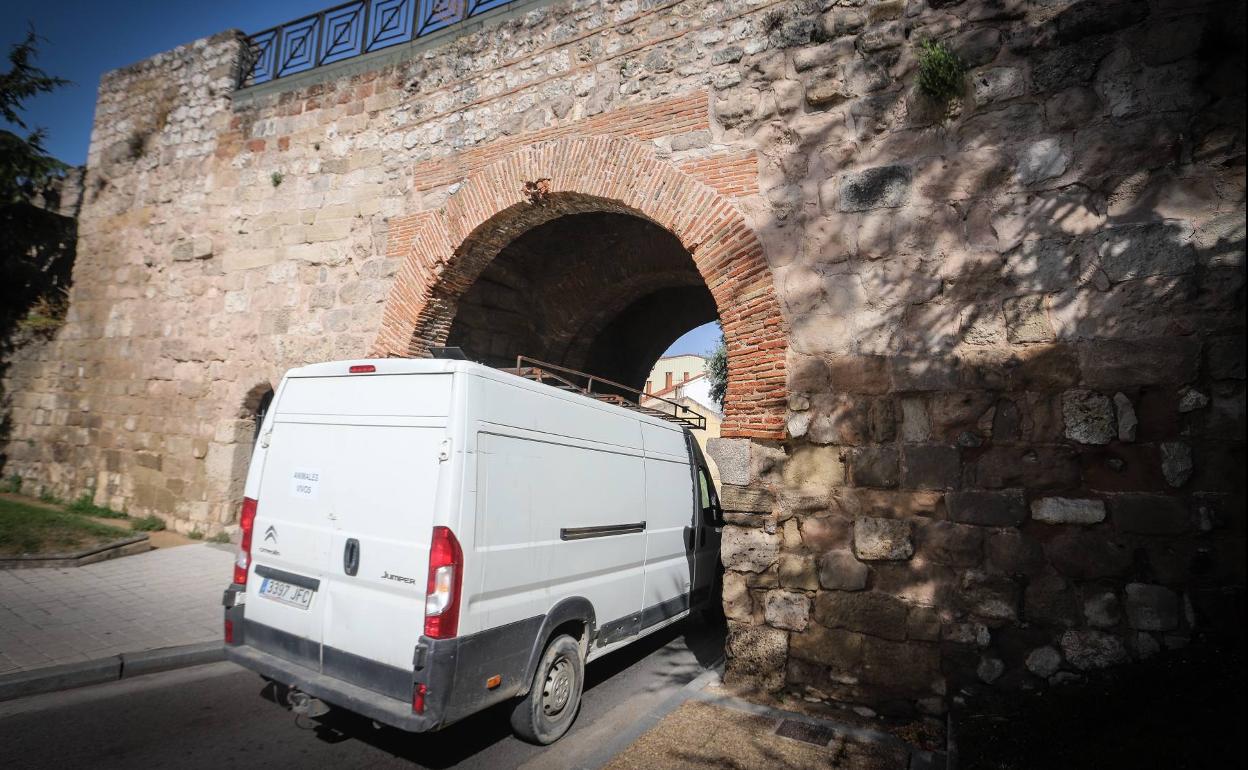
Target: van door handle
351,557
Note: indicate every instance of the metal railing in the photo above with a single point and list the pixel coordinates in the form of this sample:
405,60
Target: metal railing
349,30
566,379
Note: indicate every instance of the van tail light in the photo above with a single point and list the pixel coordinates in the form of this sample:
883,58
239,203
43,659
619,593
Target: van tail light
362,369
247,521
446,575
229,632
418,698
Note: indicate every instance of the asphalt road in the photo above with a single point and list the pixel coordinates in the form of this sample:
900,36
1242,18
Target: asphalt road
221,716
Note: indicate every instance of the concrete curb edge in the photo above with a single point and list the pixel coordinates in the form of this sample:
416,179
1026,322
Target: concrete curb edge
71,675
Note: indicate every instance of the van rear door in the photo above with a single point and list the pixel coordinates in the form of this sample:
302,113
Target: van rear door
348,491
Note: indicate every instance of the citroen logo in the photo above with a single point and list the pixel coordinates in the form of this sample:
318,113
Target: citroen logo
271,534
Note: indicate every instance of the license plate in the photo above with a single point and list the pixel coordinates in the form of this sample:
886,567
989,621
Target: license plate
278,591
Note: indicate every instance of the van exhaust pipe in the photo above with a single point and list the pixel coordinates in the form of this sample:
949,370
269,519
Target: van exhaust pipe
305,705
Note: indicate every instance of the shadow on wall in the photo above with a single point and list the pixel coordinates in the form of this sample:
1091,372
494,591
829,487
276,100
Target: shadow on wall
1006,300
37,247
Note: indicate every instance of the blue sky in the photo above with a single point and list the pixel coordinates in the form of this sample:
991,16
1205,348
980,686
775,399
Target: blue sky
83,40
701,340
86,39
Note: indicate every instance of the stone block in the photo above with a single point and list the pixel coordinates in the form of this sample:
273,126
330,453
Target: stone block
824,533
997,84
1040,160
1041,265
1088,649
923,623
789,610
1088,416
1128,422
826,93
1071,108
739,499
1051,600
989,509
839,418
1150,514
798,571
915,426
732,459
1176,463
867,612
858,374
737,602
1225,357
1151,607
1084,554
756,656
992,597
1140,251
1067,510
1008,552
1027,320
873,188
749,550
840,571
877,539
1044,661
1191,399
876,466
931,467
819,644
199,247
1118,364
814,470
944,542
1102,609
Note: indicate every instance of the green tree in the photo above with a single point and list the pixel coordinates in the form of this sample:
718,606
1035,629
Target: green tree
717,372
36,245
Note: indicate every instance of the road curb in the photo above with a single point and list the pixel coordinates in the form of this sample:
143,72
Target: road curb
110,669
126,546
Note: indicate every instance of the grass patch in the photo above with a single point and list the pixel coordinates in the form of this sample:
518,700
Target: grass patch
147,524
84,506
220,537
12,485
195,534
940,72
26,529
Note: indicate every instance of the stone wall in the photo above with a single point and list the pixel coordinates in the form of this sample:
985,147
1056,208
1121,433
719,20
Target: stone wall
987,404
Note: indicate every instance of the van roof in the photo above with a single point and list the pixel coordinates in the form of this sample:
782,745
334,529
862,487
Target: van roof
385,366
444,366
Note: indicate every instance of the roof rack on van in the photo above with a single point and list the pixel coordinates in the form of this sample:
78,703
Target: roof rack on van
571,380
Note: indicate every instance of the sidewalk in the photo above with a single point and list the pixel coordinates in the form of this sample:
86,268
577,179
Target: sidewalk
162,598
710,729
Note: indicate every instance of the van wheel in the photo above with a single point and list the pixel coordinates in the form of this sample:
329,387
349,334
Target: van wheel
546,713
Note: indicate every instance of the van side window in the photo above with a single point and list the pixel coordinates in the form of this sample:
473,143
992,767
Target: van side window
711,515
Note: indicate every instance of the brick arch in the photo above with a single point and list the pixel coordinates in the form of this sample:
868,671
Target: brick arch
443,251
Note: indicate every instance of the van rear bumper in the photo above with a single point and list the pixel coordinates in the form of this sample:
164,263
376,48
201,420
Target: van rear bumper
373,705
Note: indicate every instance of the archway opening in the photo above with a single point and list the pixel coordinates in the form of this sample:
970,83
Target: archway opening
600,292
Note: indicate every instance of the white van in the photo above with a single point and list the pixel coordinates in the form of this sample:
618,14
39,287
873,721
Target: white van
424,538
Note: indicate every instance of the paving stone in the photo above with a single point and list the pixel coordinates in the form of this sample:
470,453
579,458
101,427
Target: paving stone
173,598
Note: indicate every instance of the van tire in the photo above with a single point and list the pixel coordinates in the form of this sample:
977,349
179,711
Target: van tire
546,713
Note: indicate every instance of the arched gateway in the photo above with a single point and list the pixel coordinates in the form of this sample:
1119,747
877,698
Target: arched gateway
446,250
